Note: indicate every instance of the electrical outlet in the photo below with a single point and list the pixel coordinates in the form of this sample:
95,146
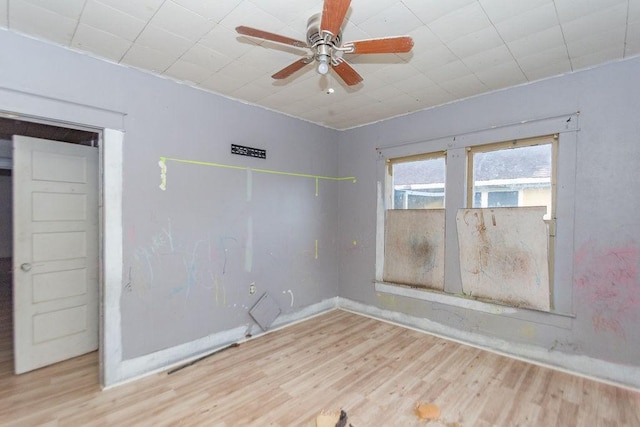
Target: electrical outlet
252,288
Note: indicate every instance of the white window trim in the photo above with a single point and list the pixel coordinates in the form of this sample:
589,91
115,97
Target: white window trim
566,126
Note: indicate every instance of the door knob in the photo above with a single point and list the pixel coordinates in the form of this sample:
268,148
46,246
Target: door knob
25,267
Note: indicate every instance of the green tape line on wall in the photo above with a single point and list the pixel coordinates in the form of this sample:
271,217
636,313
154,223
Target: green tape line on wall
163,171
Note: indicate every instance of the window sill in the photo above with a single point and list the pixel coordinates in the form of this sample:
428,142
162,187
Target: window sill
561,320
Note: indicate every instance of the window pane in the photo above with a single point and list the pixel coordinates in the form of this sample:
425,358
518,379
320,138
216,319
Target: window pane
513,177
419,184
502,199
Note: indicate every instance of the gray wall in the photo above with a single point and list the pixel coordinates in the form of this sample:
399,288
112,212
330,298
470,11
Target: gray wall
191,252
599,219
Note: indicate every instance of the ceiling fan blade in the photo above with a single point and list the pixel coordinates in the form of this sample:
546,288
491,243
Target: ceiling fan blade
400,44
265,35
346,72
290,69
333,13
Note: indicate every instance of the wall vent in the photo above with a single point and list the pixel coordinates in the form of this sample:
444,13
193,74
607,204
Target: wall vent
265,311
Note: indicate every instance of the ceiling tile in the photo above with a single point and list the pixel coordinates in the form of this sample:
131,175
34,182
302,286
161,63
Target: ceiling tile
68,8
367,68
213,11
598,56
179,20
141,9
413,83
502,75
568,10
531,21
393,21
395,72
359,13
240,71
546,63
424,40
598,41
479,41
488,58
148,59
100,42
632,46
452,70
400,104
111,20
464,86
159,39
226,41
585,26
352,32
430,10
206,58
267,60
297,107
460,22
431,96
434,58
3,13
382,93
288,11
222,84
548,70
250,92
500,10
250,15
634,11
537,42
187,71
349,102
40,22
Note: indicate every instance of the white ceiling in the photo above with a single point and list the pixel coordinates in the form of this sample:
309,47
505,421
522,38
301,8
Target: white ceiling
462,47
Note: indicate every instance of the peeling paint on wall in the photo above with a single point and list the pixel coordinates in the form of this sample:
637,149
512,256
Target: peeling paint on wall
607,281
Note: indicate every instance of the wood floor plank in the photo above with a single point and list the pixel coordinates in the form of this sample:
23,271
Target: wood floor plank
375,371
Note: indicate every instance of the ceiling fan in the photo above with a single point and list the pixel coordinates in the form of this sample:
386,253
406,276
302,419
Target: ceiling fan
324,39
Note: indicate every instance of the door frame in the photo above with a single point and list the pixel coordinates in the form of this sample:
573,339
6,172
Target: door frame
25,106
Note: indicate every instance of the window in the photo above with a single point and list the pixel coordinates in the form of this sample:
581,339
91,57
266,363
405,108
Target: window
502,223
418,181
505,230
414,225
512,174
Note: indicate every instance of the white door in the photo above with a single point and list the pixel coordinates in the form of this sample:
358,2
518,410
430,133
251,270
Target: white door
55,251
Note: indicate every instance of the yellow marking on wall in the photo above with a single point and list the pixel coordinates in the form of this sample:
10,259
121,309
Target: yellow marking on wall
258,170
316,186
163,173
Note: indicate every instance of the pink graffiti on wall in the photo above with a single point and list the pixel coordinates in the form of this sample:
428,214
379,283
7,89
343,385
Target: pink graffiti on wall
608,281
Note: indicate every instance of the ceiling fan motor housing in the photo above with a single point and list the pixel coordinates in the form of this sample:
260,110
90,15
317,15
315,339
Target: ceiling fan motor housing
316,42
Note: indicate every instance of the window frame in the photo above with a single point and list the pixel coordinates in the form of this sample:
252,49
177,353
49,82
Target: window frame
414,158
551,139
567,127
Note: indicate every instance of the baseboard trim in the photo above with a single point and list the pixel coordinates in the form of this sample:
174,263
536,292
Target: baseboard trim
627,377
163,360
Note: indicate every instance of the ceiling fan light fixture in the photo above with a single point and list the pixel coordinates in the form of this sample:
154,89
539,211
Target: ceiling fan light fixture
323,64
324,40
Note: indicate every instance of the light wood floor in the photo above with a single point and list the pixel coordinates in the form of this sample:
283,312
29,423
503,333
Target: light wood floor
375,371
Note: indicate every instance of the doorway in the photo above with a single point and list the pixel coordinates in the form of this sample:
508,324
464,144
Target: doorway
10,127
